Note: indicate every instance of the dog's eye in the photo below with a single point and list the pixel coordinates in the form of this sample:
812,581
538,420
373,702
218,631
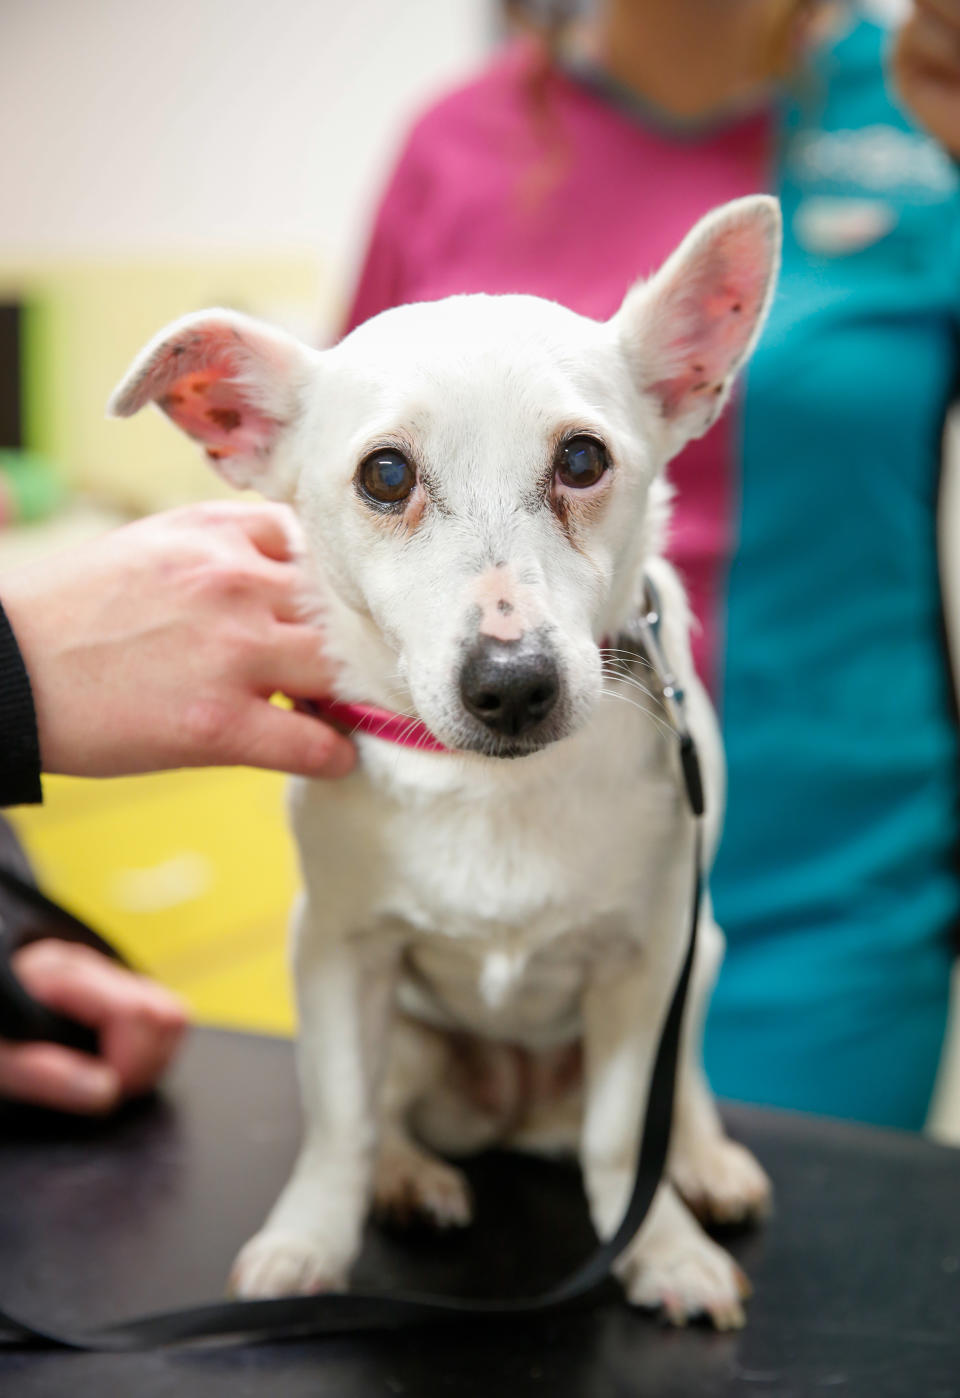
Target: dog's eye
387,477
581,461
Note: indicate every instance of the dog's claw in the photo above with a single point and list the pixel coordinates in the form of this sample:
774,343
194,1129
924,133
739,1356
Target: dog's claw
690,1279
413,1187
722,1183
672,1310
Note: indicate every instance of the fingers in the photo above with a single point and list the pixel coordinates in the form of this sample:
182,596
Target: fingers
934,36
287,741
287,591
295,663
51,1076
140,1044
273,529
272,566
946,10
257,585
925,67
140,1024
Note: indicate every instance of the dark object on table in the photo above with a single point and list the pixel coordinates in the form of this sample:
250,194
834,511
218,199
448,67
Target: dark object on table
857,1277
11,359
27,915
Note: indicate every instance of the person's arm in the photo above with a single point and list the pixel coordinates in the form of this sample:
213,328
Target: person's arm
19,744
158,645
926,69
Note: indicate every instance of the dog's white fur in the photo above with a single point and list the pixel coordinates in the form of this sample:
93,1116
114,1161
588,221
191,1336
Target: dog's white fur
466,918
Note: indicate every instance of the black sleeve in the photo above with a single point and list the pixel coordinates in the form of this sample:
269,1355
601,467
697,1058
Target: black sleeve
19,744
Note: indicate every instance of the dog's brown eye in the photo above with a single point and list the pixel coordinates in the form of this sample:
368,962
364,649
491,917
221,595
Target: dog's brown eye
387,477
581,461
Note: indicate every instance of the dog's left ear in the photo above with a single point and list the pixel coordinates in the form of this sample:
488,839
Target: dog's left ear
687,331
232,383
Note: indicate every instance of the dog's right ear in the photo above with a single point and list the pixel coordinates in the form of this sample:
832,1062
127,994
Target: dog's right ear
687,331
232,383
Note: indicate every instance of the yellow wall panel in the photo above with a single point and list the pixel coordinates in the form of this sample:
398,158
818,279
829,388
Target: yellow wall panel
192,874
87,321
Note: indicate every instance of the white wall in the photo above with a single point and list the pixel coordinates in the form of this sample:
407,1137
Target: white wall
133,125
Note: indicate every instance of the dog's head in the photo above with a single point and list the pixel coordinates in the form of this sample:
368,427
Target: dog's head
478,476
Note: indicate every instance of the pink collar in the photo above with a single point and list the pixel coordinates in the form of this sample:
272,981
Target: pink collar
380,723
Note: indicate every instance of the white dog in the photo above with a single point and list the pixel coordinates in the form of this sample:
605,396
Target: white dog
485,948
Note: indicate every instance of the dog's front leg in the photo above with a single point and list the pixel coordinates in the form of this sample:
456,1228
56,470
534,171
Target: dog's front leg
312,1235
671,1262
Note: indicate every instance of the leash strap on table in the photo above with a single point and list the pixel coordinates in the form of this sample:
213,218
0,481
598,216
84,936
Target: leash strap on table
340,1312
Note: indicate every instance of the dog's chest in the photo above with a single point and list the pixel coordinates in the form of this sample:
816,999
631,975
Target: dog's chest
509,894
505,887
500,987
546,851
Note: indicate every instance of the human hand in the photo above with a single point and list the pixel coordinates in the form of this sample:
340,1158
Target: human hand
139,1025
159,645
926,68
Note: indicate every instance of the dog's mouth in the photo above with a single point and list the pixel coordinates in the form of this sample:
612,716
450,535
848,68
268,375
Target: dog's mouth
462,735
501,747
476,738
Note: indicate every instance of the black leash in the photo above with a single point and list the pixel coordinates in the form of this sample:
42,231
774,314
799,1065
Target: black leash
341,1312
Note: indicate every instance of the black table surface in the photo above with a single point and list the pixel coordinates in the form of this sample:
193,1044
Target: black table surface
857,1275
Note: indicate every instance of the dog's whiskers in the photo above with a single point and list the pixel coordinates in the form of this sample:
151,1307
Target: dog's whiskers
400,699
407,713
409,728
654,718
630,681
624,657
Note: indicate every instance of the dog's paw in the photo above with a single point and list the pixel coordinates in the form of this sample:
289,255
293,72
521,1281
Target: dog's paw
281,1264
685,1278
413,1187
721,1182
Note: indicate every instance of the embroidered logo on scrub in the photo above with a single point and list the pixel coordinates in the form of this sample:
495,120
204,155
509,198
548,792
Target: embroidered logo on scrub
857,181
836,226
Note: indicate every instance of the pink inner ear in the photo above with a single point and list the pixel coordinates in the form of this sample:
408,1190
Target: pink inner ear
212,408
707,317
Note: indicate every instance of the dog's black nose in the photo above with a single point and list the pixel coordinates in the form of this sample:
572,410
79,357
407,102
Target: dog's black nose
509,685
